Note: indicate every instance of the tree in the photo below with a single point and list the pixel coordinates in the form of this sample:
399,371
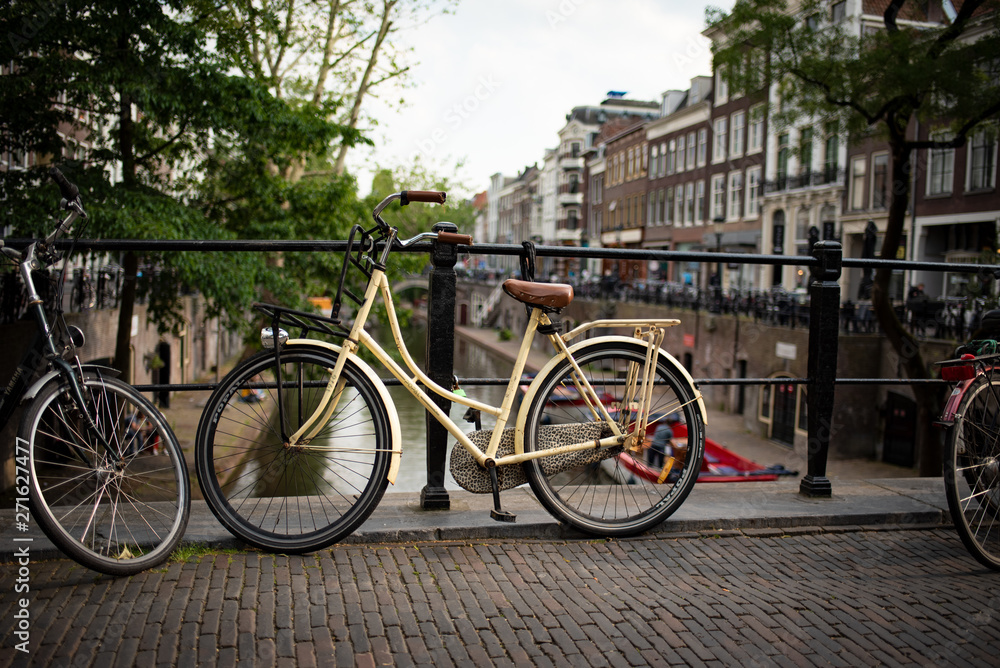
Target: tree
335,54
941,71
139,83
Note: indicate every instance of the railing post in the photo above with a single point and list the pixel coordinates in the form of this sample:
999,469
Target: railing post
440,364
824,328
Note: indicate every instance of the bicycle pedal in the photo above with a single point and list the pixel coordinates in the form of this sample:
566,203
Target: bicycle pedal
502,515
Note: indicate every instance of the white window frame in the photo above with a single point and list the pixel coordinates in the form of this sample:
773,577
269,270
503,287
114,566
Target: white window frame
888,184
718,196
702,147
734,196
859,177
753,199
721,88
699,202
721,139
737,127
689,204
692,149
679,157
755,134
654,155
940,169
981,140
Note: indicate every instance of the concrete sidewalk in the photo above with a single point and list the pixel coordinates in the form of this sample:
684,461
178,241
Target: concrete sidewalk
711,507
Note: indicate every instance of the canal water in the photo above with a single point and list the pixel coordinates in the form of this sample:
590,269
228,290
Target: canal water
471,361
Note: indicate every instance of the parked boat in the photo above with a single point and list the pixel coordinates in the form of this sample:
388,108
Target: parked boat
718,465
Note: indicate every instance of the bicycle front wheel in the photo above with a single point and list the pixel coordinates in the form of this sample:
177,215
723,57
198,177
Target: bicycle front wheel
293,498
613,492
118,508
972,471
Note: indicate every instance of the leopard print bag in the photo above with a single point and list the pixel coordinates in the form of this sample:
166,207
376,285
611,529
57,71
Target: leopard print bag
474,478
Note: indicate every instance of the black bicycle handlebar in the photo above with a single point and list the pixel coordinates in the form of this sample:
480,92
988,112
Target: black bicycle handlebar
68,190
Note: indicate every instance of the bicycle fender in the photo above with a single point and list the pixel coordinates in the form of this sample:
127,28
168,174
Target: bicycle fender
522,415
395,434
93,369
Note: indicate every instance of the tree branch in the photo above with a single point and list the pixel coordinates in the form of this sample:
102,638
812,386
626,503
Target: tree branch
162,147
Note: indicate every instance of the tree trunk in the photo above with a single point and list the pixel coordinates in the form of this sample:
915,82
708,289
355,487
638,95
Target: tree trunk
352,122
910,362
123,341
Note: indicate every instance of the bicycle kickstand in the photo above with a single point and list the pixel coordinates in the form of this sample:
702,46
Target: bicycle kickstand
496,513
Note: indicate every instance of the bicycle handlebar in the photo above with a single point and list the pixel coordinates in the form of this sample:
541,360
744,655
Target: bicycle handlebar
431,196
69,191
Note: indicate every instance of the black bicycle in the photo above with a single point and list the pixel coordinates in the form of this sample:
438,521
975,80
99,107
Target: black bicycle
104,473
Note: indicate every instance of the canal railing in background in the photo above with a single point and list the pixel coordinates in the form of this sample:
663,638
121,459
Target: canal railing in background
824,316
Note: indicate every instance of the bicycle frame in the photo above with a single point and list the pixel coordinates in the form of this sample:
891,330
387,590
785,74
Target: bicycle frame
638,388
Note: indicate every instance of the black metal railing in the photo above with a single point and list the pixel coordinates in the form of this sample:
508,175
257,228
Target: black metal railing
823,320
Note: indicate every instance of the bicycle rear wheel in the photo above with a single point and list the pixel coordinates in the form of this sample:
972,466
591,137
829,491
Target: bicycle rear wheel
972,470
292,498
612,492
119,509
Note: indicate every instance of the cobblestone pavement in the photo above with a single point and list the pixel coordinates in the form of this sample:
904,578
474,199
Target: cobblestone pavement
849,597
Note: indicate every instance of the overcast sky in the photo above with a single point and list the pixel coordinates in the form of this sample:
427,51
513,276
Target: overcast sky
493,82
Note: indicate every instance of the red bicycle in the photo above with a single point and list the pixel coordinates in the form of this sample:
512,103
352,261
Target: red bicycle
972,451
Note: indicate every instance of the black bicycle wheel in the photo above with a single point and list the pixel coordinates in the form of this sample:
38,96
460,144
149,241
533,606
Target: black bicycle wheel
117,509
972,471
612,492
298,498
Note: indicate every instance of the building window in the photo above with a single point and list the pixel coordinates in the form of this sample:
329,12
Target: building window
655,154
782,160
941,170
668,209
645,157
702,147
671,165
982,162
805,153
831,153
699,201
689,203
858,168
691,148
838,11
679,205
735,202
753,192
663,159
679,158
721,88
738,120
755,138
719,152
880,180
718,196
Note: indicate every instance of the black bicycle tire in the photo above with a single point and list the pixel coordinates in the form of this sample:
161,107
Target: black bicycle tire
43,461
971,460
242,525
659,510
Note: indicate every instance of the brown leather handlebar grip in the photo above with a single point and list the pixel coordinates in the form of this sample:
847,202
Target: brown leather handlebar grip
432,196
454,238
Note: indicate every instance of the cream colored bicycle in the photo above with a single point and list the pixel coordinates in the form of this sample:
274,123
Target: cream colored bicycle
299,442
